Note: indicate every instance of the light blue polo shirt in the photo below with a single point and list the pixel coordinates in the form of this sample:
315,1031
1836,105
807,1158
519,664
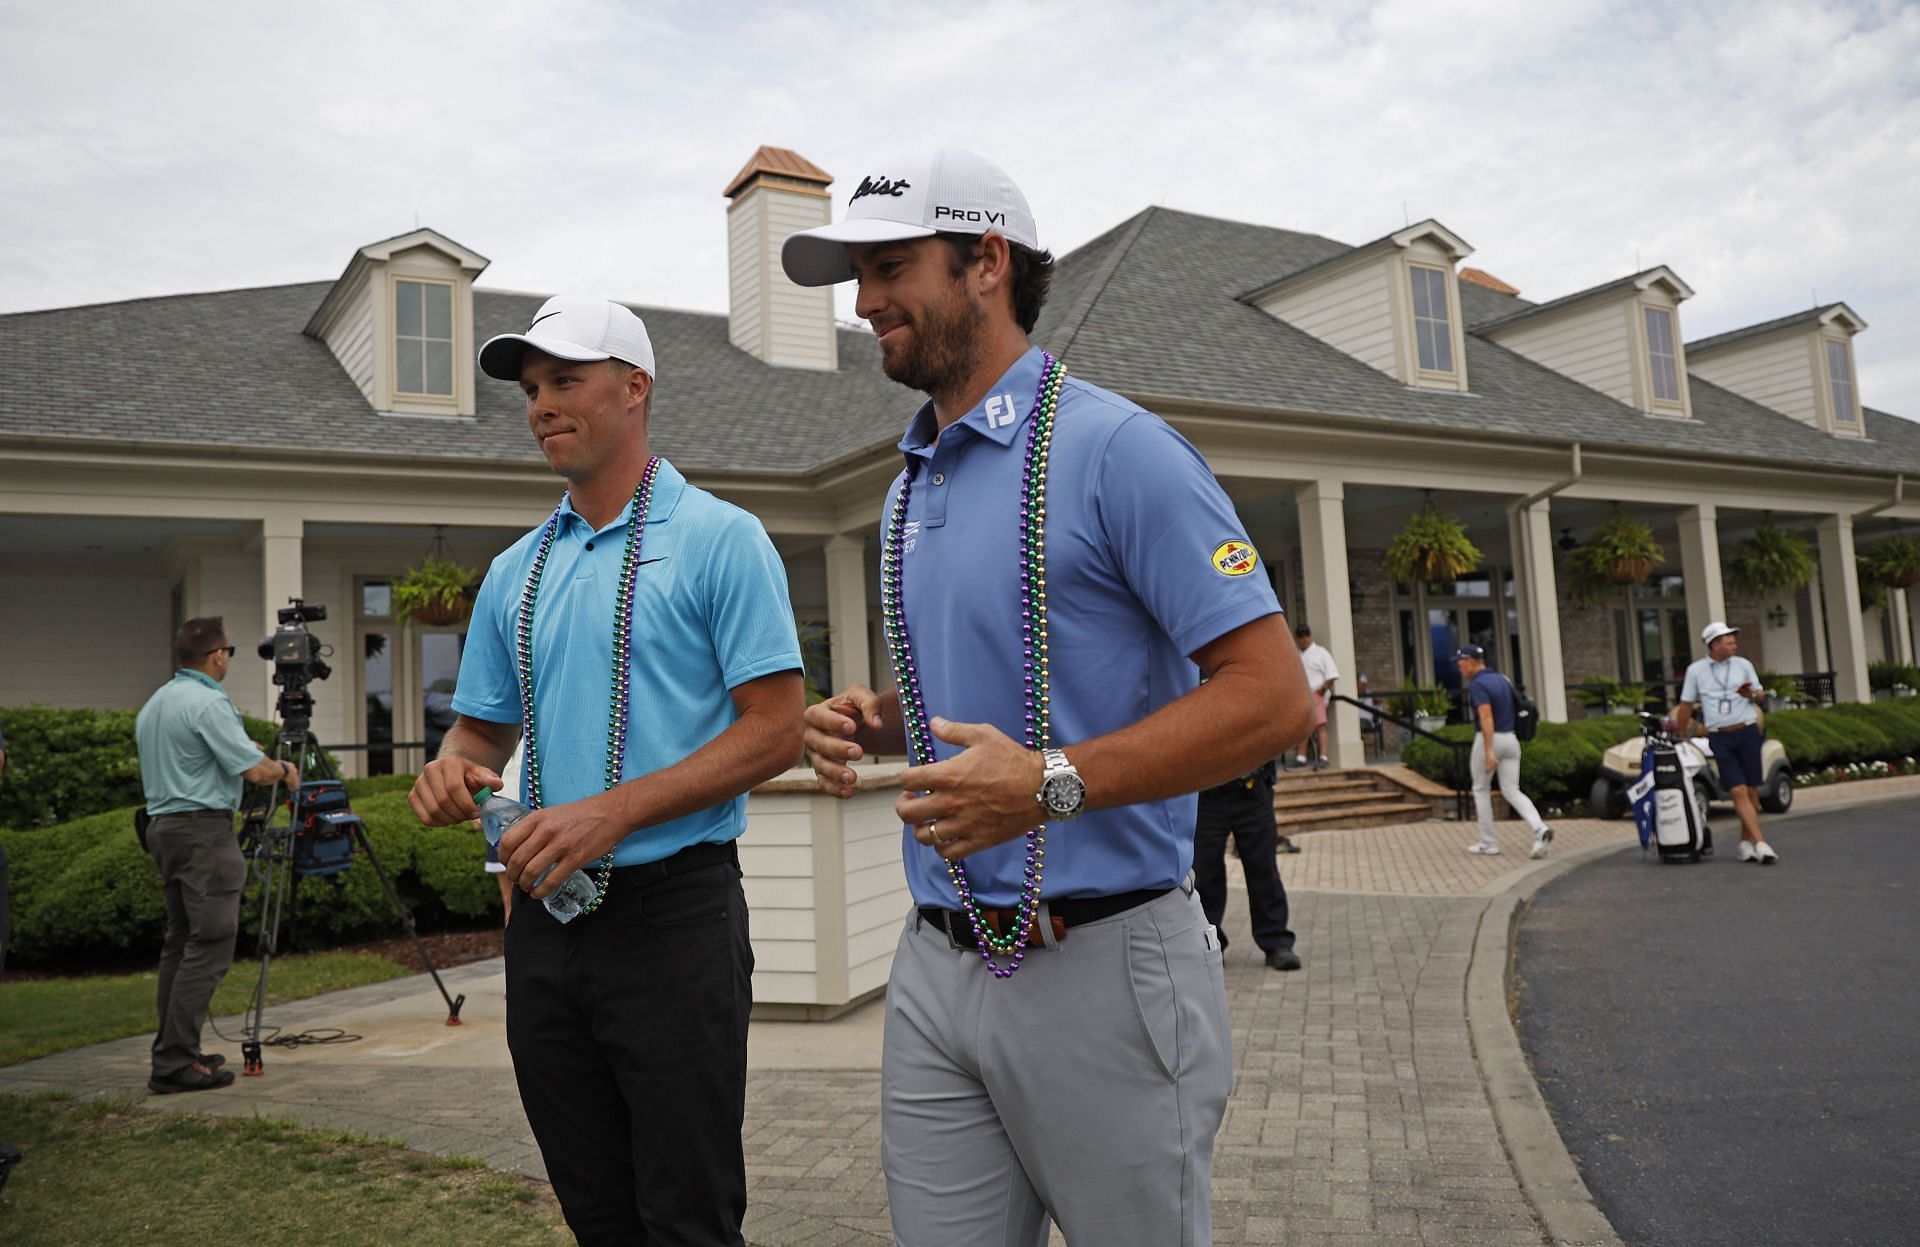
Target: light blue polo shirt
1146,563
710,613
1715,688
193,746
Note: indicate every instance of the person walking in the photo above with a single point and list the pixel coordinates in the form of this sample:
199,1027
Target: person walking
195,755
1496,752
1242,808
1727,691
641,644
1059,569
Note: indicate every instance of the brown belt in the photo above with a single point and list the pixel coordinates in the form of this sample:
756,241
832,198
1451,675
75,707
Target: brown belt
1737,727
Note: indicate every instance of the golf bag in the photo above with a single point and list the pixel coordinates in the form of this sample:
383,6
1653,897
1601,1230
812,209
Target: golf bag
1665,808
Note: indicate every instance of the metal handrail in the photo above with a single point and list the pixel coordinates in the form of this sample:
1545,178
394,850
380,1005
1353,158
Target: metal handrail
1460,774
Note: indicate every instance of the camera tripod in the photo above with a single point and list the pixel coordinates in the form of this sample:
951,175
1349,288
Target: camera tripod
273,848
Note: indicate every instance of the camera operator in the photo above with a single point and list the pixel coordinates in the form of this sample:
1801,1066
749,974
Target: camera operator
194,753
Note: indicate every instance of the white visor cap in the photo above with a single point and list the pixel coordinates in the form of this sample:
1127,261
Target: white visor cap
1715,630
572,326
951,192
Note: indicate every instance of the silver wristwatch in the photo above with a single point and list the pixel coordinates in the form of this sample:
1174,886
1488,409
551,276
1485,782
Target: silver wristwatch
1063,794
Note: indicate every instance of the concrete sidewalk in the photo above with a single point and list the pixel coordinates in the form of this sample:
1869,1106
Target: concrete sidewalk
1364,1107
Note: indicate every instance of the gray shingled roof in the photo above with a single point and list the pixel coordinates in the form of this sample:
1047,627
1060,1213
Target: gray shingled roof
1808,317
1148,308
1516,315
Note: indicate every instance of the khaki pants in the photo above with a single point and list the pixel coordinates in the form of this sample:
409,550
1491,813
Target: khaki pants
203,871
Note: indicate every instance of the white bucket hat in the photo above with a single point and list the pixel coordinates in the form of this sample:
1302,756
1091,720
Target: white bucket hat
572,326
1715,630
950,192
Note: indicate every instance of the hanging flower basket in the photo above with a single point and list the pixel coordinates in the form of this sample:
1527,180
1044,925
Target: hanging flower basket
1771,561
1894,562
1629,571
436,593
1432,547
1622,552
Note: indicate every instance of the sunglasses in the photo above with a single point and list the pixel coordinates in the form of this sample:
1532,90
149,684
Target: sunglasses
228,650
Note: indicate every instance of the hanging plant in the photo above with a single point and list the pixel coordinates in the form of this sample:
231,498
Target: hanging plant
1621,552
437,593
1893,562
1773,560
1432,547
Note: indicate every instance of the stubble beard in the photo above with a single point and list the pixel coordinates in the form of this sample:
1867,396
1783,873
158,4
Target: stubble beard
946,347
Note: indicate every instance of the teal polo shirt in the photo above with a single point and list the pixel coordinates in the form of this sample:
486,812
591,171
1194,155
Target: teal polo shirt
193,746
1147,562
710,613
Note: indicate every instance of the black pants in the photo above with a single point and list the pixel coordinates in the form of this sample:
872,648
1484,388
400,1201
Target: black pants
628,1028
1247,816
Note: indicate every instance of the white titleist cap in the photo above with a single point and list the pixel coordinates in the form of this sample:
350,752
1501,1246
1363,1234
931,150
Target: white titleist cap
572,326
1715,630
949,192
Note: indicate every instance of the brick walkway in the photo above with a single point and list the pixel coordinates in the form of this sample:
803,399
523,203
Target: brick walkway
1359,1114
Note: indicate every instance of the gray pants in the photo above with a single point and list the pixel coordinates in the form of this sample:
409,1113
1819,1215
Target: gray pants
1506,756
1087,1088
204,872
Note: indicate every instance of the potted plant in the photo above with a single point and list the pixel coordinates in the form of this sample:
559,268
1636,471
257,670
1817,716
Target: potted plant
1622,552
1773,560
1429,704
1782,690
1609,696
1893,562
438,592
1432,547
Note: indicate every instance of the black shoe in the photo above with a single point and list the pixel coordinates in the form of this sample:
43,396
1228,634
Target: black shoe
1283,959
195,1077
1288,846
212,1060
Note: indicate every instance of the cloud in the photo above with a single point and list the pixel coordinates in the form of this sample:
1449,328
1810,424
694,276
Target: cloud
1766,150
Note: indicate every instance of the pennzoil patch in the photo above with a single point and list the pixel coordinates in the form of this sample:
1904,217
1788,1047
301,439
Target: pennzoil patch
1234,558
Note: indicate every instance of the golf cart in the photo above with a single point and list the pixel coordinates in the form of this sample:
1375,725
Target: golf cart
1620,767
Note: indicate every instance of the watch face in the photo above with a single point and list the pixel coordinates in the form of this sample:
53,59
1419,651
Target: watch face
1064,793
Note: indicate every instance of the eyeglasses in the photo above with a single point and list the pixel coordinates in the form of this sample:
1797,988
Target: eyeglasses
228,650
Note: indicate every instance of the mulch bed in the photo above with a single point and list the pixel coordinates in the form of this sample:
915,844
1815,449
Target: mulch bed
447,948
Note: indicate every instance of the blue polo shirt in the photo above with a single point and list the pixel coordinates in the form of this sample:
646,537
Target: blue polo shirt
193,746
1490,688
710,613
1146,563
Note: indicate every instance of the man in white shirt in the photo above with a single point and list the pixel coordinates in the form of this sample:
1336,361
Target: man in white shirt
1321,673
1727,689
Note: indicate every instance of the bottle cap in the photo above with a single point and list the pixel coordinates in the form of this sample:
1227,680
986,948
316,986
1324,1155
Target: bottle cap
480,797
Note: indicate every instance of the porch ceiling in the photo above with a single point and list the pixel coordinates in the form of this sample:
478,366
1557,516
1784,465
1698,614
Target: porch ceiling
90,536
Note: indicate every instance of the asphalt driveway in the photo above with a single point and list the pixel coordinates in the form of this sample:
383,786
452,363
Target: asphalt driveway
1732,1051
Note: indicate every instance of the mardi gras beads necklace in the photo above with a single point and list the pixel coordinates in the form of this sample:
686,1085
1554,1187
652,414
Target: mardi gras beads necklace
1034,665
619,698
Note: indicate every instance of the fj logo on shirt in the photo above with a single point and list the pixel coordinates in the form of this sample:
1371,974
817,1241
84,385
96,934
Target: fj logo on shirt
1001,411
881,186
1234,558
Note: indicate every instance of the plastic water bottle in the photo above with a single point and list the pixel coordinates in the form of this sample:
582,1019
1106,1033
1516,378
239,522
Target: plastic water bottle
497,813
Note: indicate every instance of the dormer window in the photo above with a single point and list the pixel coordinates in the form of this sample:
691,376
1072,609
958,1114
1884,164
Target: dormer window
1840,382
423,338
1432,326
1661,359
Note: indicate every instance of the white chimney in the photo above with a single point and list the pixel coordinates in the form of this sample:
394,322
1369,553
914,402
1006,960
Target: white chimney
778,193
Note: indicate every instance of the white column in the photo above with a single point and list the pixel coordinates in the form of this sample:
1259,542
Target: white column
1897,610
280,536
1700,567
1323,565
1840,583
1537,597
847,611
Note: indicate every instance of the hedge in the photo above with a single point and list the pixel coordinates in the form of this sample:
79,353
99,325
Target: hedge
68,764
1559,765
83,891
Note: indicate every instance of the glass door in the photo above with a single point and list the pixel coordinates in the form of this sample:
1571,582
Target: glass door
374,627
437,659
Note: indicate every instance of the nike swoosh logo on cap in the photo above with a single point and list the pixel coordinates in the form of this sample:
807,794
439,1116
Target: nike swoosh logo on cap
538,319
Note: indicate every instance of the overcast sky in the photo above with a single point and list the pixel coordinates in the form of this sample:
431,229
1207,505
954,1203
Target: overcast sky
1768,152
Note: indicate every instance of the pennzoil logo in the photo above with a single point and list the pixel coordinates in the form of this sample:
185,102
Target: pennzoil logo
1234,558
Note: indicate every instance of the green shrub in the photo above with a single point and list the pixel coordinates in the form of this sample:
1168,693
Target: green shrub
68,764
1816,737
83,891
1556,767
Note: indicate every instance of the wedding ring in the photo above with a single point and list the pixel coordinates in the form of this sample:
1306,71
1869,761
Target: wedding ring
934,833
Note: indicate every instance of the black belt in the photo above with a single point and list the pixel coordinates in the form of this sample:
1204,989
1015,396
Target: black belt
1074,911
693,857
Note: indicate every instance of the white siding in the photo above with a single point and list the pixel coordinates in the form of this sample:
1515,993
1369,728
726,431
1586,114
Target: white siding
230,588
877,897
1589,346
351,340
1352,313
746,233
100,637
768,316
1776,373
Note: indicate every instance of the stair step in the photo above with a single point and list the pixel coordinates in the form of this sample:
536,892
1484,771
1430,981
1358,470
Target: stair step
1352,816
1320,779
1333,800
1298,789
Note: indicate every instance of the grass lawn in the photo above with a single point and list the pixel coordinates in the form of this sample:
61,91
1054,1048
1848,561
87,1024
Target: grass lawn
39,1016
100,1172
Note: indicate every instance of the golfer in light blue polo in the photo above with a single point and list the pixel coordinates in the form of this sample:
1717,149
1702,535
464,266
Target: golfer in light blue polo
1059,569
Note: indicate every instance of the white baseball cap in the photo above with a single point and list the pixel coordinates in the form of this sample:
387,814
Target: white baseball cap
950,192
1715,630
572,326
